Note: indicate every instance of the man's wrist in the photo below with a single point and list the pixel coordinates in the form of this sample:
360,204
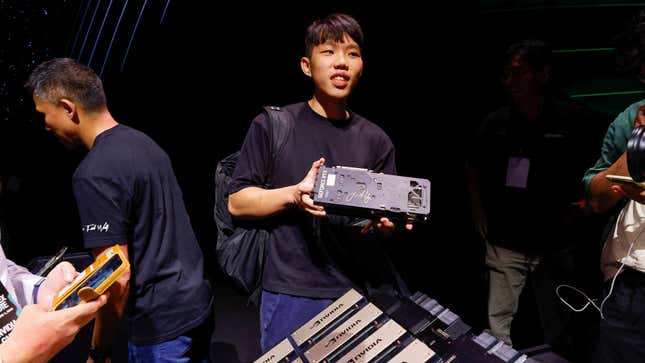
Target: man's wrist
98,354
293,195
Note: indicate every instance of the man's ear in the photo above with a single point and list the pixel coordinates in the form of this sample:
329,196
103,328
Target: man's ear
305,65
70,109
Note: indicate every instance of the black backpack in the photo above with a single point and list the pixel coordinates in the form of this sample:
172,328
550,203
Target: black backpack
241,244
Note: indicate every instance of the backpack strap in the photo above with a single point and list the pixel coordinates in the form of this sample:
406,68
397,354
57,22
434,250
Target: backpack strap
280,125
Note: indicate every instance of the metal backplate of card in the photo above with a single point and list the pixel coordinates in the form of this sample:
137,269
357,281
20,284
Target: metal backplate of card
374,344
276,353
325,317
415,352
360,192
343,333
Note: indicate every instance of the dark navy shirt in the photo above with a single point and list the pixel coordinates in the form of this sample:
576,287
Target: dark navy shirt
298,263
127,193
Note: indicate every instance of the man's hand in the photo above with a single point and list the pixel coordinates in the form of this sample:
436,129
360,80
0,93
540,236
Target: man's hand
383,225
40,333
639,120
305,189
630,191
90,360
58,277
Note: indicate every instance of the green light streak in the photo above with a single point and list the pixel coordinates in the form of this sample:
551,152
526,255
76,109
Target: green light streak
582,50
581,95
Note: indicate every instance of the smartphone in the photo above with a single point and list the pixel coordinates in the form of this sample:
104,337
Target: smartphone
94,280
624,179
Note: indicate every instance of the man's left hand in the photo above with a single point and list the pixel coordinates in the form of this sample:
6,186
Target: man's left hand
383,225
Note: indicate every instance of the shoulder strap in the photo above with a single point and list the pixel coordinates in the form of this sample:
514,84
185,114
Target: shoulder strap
280,125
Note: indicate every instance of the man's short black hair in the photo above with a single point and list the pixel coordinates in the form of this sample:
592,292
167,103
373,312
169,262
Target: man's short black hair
536,53
334,26
61,78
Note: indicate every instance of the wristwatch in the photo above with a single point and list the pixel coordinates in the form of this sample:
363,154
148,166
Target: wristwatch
97,354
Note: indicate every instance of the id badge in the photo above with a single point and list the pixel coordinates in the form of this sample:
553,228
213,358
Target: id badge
517,173
8,313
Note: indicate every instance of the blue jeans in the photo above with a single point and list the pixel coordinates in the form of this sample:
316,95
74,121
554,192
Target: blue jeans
281,315
192,347
621,335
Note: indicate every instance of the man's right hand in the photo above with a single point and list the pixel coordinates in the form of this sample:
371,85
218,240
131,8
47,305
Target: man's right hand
302,196
639,120
41,333
630,191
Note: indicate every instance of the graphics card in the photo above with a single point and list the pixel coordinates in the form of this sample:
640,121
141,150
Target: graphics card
363,193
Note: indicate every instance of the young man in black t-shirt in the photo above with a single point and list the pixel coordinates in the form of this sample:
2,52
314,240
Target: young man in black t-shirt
127,193
302,273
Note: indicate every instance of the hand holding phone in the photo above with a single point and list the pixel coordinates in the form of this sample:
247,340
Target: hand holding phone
624,179
94,280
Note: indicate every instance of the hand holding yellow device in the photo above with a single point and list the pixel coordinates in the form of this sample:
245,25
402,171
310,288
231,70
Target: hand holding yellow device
94,280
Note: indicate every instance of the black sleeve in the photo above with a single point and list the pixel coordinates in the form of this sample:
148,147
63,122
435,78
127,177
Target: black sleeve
103,209
386,162
253,162
476,143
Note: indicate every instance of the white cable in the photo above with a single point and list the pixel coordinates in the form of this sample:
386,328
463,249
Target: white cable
589,301
611,288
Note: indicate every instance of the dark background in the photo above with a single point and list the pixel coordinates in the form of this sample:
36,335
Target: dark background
192,75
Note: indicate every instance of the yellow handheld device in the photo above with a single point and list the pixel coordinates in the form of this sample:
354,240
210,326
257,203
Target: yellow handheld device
94,280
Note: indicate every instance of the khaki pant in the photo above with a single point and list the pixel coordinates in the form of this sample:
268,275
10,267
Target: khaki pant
508,271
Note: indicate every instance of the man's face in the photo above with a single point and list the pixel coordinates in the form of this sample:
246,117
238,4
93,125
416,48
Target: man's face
521,81
58,121
335,67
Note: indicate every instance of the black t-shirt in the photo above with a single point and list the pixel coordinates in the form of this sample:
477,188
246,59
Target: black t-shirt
297,262
127,193
536,218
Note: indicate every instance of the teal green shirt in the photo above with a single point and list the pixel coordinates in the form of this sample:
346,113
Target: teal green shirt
615,142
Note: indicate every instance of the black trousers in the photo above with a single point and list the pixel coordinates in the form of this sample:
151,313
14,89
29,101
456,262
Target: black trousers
621,334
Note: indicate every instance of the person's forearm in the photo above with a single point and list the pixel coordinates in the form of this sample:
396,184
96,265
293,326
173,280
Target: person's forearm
473,185
106,326
601,197
109,317
254,202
